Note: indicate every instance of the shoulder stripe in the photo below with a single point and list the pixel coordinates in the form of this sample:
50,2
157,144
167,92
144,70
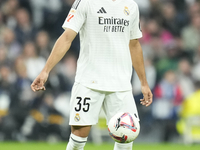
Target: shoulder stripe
76,3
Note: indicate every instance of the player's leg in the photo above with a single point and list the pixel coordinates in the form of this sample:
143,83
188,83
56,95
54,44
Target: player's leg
78,137
120,102
85,105
81,131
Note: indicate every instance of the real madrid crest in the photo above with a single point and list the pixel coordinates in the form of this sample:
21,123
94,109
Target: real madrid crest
126,11
77,117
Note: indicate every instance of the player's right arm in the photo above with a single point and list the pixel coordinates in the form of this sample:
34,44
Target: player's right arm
72,25
61,46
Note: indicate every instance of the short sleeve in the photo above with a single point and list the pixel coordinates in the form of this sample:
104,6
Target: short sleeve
76,16
136,32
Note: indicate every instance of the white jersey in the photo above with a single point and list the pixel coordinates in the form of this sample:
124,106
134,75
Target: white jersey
106,28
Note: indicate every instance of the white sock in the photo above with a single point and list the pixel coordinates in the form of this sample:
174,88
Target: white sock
123,146
76,142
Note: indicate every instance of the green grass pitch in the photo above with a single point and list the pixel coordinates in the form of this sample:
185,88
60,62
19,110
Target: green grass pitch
90,146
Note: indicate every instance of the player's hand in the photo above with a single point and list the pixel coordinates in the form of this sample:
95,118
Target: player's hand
147,96
38,83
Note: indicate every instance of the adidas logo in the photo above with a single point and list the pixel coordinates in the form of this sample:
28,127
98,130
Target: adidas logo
102,10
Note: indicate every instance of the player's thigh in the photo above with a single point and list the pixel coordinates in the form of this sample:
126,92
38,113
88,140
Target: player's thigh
85,105
119,102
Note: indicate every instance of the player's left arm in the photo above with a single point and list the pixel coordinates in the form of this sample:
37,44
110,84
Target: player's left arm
138,64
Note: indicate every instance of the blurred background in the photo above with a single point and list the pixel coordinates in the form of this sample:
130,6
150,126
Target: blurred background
171,45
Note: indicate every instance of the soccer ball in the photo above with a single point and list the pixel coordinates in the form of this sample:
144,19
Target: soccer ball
124,127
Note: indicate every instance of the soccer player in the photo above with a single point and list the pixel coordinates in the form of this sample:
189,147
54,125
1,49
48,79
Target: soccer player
109,32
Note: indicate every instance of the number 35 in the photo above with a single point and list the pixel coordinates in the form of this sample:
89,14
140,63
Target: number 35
86,105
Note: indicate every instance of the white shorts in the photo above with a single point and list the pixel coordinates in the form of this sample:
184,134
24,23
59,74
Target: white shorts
86,104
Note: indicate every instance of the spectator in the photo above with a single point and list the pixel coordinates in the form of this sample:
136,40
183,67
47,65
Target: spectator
156,10
181,5
190,2
43,44
7,124
170,61
190,34
9,9
196,66
6,78
13,47
185,78
42,11
153,29
3,55
188,124
2,25
144,6
68,68
168,97
48,120
171,21
24,94
33,62
24,30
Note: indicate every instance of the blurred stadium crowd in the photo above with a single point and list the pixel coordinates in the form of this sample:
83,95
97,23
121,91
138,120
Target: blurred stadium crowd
28,30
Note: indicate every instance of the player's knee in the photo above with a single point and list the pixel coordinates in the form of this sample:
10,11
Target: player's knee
81,131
